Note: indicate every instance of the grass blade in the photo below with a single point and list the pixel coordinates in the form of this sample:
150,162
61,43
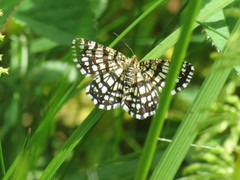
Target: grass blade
2,160
96,113
38,139
71,143
188,130
139,19
208,10
165,97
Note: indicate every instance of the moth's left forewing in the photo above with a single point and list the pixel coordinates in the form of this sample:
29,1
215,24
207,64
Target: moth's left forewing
93,58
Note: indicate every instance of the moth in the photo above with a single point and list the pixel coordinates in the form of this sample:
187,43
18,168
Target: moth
124,82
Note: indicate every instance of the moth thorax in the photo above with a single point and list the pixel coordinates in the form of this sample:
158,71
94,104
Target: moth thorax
131,72
133,63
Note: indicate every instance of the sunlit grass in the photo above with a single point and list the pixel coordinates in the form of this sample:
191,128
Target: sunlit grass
35,144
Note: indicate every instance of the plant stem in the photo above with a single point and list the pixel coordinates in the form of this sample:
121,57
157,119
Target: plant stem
165,97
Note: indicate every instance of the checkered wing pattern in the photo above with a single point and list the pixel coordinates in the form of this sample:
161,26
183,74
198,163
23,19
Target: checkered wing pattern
106,90
141,98
122,81
93,58
184,77
156,71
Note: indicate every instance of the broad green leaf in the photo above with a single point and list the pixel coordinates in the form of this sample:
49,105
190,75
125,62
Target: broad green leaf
7,7
216,28
188,130
43,17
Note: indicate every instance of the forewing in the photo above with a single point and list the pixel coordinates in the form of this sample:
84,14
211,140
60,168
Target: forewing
156,71
106,90
141,99
93,58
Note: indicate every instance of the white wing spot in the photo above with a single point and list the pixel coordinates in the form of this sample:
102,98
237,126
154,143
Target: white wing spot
85,59
104,89
142,90
122,81
94,67
110,81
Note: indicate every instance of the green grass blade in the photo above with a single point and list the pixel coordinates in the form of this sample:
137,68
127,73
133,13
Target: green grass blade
139,19
71,143
165,97
236,174
218,32
188,130
208,10
11,169
164,46
2,160
39,137
59,159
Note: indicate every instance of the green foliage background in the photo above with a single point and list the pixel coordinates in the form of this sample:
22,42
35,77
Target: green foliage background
49,129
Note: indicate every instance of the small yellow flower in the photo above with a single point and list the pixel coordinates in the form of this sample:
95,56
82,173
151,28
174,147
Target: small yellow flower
2,70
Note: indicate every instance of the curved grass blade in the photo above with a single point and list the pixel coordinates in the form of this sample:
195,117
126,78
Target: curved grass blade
188,130
165,97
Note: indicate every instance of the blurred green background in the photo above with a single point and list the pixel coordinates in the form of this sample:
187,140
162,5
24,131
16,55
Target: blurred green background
37,50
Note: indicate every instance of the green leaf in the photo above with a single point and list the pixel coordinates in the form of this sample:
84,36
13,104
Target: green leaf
237,69
216,28
188,19
7,7
3,170
209,8
188,129
43,16
71,143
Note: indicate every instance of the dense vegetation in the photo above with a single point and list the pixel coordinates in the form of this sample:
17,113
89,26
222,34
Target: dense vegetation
49,129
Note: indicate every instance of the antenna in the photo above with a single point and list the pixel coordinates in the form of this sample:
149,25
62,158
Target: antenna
125,43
